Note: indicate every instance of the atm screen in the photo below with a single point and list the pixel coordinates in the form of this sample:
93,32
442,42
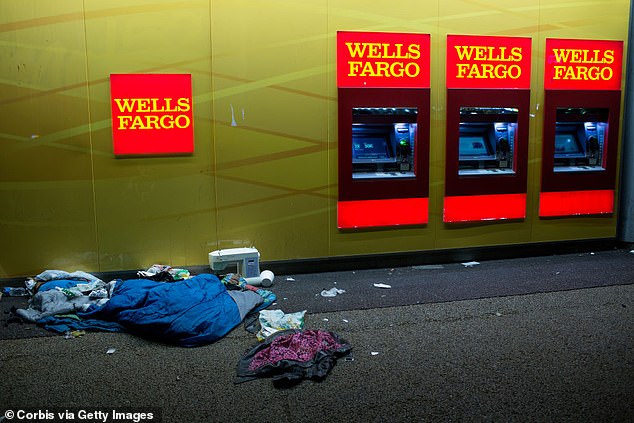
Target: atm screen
568,145
474,146
383,142
486,140
370,147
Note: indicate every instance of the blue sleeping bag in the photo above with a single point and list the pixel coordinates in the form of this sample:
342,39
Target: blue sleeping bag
189,313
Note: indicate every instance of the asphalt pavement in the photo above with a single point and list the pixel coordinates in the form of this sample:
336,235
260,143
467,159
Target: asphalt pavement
501,353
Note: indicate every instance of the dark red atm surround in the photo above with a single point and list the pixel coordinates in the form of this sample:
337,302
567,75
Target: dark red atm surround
486,73
377,71
383,202
577,193
490,197
580,75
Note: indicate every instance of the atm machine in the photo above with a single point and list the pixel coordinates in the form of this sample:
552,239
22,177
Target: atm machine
579,153
581,127
383,129
487,128
383,156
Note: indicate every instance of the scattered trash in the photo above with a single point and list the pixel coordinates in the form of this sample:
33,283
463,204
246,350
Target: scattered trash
290,279
374,353
98,293
346,321
72,292
324,319
272,321
631,251
73,334
557,273
14,292
265,279
332,292
111,350
498,314
382,285
591,254
163,273
428,267
470,264
30,284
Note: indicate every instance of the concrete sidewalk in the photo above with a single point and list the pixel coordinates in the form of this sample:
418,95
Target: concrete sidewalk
545,357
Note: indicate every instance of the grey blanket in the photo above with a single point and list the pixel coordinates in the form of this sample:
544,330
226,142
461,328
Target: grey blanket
53,301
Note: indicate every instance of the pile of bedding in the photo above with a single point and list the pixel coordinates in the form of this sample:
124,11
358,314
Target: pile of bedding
189,312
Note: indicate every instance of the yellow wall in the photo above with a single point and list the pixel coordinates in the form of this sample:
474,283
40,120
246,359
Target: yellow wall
264,169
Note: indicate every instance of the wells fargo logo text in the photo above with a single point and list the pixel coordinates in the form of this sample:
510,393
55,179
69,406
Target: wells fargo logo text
488,62
582,65
152,113
383,60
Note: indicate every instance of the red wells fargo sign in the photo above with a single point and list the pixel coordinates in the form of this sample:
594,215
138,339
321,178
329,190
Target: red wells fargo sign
573,64
382,60
152,114
488,62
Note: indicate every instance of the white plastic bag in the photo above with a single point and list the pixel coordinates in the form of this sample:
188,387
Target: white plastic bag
332,292
272,321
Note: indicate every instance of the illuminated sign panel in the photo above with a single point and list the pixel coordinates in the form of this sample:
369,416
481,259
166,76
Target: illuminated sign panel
152,114
488,62
382,60
583,64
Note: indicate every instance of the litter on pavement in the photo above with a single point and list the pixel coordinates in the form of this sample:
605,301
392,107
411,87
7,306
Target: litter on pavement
332,292
429,267
272,321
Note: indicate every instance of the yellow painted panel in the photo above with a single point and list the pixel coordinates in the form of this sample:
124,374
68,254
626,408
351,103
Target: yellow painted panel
46,198
270,103
151,209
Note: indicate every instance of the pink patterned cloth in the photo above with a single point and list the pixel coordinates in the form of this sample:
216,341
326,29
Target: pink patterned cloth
300,346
